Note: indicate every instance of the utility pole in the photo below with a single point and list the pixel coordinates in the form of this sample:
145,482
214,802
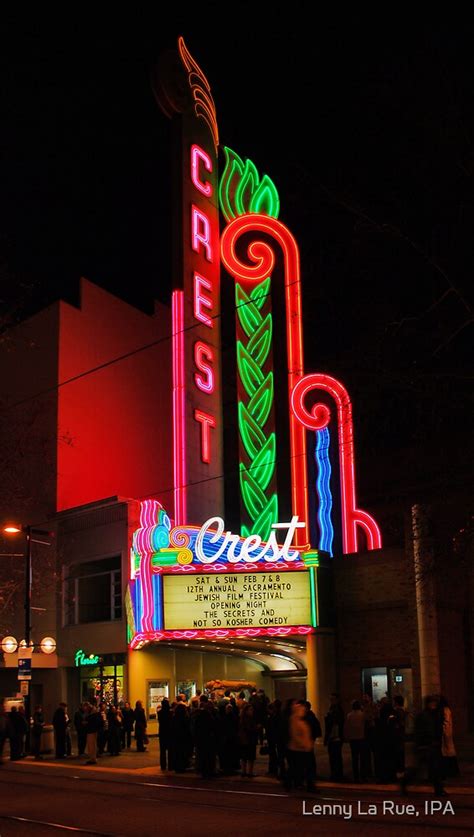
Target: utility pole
28,624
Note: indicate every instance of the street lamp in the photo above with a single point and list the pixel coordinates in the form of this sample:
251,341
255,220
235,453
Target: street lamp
14,529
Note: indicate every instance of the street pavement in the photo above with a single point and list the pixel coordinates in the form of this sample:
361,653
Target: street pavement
130,795
39,798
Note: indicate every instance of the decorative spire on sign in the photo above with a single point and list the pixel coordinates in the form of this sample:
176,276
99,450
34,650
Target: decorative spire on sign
204,106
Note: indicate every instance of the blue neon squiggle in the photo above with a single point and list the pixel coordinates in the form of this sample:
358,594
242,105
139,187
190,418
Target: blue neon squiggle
323,490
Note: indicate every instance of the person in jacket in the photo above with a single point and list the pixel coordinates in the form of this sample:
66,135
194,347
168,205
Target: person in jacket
248,734
80,725
25,732
272,730
140,727
370,715
164,734
180,735
103,733
205,732
385,743
399,725
60,723
428,741
354,733
128,717
300,749
93,724
315,728
334,737
36,732
3,727
114,721
228,739
17,727
448,751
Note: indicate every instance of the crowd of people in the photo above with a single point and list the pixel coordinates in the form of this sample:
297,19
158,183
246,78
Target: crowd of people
376,734
219,733
99,728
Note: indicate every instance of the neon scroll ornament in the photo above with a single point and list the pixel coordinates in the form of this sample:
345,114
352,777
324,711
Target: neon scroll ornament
242,190
317,418
158,549
260,264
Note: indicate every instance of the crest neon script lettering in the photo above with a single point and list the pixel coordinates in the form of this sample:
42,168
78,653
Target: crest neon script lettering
251,549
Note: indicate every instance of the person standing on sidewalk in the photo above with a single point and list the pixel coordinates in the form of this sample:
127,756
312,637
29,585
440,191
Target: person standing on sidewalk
36,732
300,749
428,738
128,717
60,723
80,724
448,751
3,727
354,732
164,734
140,727
333,738
370,714
92,728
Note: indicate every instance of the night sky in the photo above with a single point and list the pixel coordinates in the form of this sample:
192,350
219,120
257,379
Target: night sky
369,138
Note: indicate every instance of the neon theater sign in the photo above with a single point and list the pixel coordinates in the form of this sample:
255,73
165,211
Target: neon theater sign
203,581
190,582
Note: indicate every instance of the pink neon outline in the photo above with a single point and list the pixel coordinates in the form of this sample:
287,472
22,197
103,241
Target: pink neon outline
317,419
200,300
197,154
203,350
143,546
206,421
198,237
155,636
179,409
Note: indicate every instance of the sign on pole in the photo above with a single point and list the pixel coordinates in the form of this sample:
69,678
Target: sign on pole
24,668
24,688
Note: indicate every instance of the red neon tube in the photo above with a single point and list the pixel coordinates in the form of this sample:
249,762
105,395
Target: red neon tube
317,419
179,406
261,261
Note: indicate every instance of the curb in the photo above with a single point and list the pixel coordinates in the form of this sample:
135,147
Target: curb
462,790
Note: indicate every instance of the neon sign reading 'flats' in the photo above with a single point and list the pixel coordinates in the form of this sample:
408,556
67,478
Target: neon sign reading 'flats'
82,660
249,549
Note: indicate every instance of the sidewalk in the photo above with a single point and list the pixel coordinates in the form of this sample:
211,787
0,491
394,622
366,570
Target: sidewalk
132,763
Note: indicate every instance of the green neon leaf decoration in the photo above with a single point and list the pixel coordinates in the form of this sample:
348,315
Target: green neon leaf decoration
250,374
247,311
263,524
261,292
251,434
241,190
265,199
264,463
247,187
231,177
253,496
260,342
261,401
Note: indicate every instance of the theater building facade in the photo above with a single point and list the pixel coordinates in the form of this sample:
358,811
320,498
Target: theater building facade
208,528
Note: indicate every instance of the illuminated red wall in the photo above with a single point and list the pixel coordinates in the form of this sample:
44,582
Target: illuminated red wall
118,418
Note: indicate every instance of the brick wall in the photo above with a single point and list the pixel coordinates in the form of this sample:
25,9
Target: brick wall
376,617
